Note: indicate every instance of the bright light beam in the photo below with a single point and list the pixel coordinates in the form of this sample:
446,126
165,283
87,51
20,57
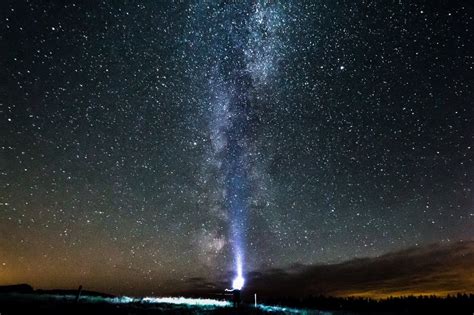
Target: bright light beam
238,283
239,280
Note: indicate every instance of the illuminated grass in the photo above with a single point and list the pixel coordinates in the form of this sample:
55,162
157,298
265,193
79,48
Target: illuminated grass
187,301
289,310
158,303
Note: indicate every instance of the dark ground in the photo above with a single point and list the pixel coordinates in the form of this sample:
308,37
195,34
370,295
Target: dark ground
23,299
57,302
452,304
106,308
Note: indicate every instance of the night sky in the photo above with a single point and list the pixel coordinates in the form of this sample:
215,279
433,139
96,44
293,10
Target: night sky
146,145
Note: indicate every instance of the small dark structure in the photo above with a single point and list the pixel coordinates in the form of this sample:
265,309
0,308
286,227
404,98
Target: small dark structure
79,291
236,297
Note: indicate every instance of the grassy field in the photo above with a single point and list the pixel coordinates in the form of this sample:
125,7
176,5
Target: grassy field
34,303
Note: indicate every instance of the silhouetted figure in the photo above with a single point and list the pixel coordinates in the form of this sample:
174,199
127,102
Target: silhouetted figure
235,297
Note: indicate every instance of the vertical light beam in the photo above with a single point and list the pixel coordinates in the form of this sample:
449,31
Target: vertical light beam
245,61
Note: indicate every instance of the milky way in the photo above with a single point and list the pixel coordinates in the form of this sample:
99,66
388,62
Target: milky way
243,58
146,147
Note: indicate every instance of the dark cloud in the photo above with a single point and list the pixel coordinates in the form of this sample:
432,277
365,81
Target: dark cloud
434,269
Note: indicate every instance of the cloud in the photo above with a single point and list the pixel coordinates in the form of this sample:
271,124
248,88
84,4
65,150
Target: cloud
435,269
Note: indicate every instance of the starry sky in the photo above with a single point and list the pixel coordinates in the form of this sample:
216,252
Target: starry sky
145,145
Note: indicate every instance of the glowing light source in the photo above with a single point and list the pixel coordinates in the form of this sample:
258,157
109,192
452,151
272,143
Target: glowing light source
239,280
238,283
